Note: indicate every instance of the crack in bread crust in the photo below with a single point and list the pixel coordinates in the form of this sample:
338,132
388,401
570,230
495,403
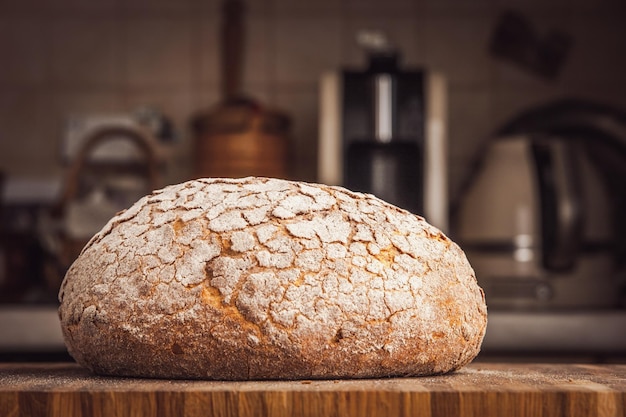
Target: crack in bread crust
260,278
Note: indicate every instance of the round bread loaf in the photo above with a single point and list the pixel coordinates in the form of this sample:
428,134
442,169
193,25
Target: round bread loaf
260,278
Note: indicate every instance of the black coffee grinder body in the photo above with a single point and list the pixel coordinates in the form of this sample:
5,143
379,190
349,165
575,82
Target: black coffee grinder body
388,137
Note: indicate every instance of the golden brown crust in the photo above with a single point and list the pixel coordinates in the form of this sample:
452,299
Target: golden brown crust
261,278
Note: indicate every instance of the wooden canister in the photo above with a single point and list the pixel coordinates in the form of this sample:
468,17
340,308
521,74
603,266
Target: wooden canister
239,138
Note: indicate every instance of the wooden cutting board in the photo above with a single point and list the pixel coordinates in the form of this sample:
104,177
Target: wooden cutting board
484,390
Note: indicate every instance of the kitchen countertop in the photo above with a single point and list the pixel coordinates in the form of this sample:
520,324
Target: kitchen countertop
483,389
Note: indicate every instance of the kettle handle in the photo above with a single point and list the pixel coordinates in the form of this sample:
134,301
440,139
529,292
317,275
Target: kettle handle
560,202
138,137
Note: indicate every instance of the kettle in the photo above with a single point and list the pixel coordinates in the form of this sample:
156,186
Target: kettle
541,217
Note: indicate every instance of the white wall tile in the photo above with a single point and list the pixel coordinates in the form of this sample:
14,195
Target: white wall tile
537,5
205,98
28,142
434,7
302,107
157,5
23,5
457,45
609,94
85,52
208,46
470,119
22,51
305,48
258,52
91,6
381,7
285,7
470,123
599,50
159,51
66,103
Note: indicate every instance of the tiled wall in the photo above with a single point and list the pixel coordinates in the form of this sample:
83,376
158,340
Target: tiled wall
72,56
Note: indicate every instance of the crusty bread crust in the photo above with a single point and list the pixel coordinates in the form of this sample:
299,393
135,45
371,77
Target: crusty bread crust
261,278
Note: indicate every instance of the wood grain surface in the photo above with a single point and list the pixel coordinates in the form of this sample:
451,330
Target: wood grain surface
66,390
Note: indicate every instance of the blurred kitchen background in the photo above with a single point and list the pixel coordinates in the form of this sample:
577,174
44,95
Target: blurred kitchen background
178,87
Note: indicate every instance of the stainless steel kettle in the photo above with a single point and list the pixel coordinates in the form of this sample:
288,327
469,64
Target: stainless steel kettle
541,218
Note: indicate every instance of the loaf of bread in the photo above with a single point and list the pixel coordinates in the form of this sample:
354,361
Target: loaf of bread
258,278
